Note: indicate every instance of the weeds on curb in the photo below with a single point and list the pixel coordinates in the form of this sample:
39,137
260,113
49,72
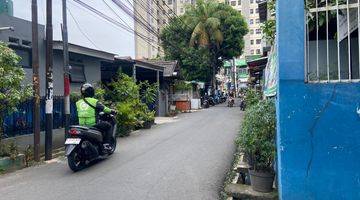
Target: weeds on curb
230,175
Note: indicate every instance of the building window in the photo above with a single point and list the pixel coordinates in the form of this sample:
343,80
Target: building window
251,1
25,55
258,51
251,11
233,3
239,3
257,21
258,41
77,73
332,46
14,40
251,42
251,21
258,31
169,2
257,10
26,43
252,52
251,31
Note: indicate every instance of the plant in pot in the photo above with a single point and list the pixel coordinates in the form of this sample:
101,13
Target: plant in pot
149,119
257,138
145,117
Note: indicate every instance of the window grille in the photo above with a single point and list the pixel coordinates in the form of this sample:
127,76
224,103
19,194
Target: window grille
77,73
332,41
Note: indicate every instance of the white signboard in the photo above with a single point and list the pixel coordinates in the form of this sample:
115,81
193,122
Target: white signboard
343,23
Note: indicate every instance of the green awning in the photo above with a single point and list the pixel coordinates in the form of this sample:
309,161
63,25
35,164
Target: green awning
238,62
227,64
243,76
241,62
252,57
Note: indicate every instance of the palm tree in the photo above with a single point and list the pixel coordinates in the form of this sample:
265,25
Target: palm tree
206,32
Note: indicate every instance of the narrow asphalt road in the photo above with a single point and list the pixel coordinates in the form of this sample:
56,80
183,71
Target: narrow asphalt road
183,160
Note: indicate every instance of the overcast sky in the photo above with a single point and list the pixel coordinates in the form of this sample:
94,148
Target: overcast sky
103,34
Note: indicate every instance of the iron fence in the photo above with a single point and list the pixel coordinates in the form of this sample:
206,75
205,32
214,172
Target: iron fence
21,121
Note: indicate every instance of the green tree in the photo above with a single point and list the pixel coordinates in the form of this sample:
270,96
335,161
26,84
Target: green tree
12,90
203,37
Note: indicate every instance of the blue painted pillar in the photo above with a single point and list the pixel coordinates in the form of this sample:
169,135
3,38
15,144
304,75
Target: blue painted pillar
290,51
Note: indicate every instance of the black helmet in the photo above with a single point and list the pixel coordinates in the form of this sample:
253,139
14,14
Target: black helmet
87,90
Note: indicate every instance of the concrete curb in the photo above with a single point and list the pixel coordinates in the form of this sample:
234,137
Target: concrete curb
9,165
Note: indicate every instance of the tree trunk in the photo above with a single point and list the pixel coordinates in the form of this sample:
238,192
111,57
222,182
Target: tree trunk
213,76
1,126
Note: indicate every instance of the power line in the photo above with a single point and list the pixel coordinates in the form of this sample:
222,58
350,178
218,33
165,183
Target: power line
113,21
78,26
134,15
116,14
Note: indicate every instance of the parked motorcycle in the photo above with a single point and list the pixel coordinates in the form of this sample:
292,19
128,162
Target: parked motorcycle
212,101
85,145
206,103
242,105
231,102
223,98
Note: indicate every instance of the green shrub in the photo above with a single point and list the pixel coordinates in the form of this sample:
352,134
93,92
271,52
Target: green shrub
9,150
29,155
148,92
182,86
257,135
12,89
252,97
126,118
130,99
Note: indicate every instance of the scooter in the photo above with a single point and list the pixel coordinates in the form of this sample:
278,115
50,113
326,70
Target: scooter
85,145
242,105
206,103
231,102
211,101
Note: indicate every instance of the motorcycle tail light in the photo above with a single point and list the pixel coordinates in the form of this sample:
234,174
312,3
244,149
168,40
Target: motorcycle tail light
74,132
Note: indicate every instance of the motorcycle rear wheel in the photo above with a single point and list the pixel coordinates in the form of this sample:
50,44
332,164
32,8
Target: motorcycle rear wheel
75,162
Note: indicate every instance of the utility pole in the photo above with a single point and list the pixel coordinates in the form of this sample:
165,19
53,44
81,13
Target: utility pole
36,80
66,68
49,81
235,78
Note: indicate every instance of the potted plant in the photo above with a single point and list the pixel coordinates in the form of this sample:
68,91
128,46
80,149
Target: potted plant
149,119
257,138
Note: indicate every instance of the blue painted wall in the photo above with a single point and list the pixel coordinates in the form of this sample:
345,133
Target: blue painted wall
318,138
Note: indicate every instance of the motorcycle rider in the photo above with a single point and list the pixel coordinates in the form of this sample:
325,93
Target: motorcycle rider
88,109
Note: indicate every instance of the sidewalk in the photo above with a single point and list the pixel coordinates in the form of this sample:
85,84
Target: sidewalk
165,120
24,140
59,136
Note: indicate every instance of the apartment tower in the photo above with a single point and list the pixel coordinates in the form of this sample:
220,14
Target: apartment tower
250,11
152,15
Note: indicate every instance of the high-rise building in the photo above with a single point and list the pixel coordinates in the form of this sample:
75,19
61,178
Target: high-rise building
6,6
150,17
250,10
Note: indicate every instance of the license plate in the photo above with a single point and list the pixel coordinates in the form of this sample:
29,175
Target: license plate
73,141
